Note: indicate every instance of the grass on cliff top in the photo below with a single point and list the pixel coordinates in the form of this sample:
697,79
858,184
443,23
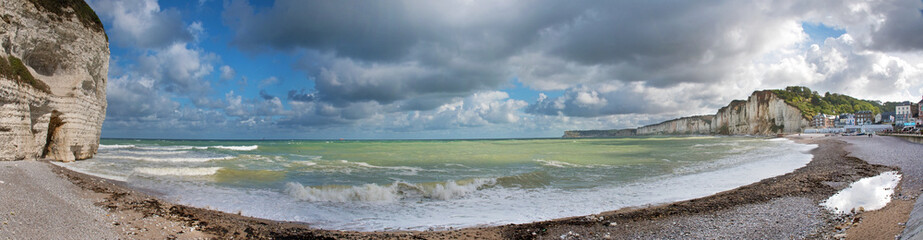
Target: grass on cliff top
13,69
811,103
84,12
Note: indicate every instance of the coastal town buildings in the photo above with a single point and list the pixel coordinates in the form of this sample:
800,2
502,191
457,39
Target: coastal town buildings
864,117
919,109
846,119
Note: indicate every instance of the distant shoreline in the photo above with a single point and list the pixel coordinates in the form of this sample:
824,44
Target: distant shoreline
793,196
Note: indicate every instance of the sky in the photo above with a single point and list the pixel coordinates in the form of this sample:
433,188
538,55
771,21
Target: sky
294,69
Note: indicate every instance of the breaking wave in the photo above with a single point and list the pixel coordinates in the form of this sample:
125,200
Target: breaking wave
238,148
116,146
387,193
402,190
202,171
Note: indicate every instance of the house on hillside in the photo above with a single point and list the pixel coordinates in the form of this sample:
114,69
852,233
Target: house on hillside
864,118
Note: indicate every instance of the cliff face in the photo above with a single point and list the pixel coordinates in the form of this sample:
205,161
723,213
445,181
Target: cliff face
53,66
686,125
763,113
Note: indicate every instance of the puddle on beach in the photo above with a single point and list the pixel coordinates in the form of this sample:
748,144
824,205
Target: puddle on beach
871,193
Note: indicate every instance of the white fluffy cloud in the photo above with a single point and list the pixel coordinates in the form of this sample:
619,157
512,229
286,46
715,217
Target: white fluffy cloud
227,73
179,68
141,23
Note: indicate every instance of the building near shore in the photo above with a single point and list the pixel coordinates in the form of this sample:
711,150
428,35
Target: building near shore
920,109
902,113
884,118
823,121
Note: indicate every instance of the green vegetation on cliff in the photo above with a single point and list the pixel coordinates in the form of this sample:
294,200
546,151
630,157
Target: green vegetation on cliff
811,103
81,9
16,71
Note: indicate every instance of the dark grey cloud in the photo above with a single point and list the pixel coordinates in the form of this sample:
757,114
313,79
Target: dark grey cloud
348,81
902,30
300,96
266,96
390,30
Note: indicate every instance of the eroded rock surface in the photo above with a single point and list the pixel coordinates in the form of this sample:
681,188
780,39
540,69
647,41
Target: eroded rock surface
53,66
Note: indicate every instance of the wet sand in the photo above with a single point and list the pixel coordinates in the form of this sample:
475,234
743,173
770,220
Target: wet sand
785,206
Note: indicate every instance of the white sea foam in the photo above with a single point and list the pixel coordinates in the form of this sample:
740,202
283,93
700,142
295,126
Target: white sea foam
238,148
388,193
871,193
201,171
552,163
175,159
115,146
306,163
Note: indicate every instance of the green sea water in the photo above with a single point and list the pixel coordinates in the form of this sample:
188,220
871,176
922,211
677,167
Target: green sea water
423,184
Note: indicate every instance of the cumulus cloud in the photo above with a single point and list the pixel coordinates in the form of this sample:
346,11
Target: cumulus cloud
840,65
618,99
227,73
268,81
132,97
265,106
141,23
178,68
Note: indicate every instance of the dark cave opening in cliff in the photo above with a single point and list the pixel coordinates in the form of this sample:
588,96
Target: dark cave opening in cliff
54,127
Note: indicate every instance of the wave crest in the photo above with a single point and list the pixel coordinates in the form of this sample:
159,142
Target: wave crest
388,193
238,148
115,146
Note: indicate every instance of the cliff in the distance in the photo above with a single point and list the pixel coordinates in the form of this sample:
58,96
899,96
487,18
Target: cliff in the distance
763,113
53,66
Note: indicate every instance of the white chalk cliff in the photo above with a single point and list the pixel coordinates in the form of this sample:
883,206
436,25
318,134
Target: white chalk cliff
54,58
763,113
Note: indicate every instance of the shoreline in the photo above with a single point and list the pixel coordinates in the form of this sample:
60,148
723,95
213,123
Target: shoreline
788,198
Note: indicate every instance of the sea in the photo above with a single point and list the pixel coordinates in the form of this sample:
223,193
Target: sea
384,185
